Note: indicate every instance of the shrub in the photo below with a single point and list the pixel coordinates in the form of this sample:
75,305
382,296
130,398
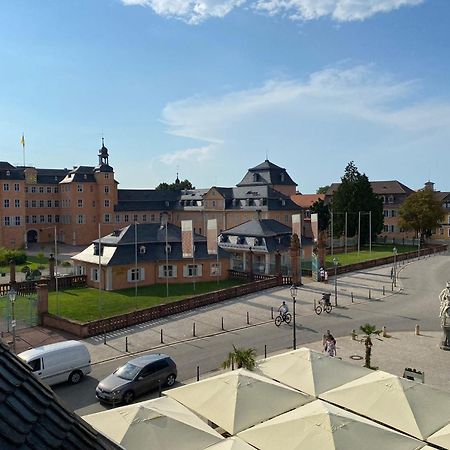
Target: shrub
19,256
41,255
66,264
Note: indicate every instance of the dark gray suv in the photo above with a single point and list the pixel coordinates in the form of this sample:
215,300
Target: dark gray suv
136,377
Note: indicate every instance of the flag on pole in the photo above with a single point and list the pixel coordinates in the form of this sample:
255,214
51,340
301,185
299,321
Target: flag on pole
22,140
315,226
187,238
211,237
297,225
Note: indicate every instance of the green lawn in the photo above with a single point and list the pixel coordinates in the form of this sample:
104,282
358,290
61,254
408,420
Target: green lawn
84,304
378,251
33,262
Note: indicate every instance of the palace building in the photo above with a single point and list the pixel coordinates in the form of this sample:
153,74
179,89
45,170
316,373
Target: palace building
76,206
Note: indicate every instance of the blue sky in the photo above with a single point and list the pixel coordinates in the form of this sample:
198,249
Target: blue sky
213,86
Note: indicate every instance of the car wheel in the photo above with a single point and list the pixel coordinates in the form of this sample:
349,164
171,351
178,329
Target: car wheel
128,397
170,380
75,377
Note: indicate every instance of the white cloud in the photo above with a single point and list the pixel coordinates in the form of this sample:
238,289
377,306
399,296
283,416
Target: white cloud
193,155
191,11
336,115
339,10
196,11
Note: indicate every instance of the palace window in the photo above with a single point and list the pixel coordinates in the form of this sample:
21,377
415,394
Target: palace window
33,219
169,271
17,220
79,188
17,187
136,274
95,274
80,203
41,189
6,187
107,203
6,221
49,218
49,203
192,270
215,269
107,218
106,189
80,219
6,203
49,190
41,219
126,218
33,189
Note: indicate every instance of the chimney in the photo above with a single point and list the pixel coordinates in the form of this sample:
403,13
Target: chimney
429,185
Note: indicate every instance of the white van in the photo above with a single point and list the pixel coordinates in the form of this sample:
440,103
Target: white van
56,363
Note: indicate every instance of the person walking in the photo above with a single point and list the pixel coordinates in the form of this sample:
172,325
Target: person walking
329,347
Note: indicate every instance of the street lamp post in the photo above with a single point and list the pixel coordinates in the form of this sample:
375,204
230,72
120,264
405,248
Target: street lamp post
12,298
394,250
293,291
335,264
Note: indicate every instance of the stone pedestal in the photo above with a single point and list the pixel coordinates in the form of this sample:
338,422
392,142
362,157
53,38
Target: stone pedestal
51,266
12,271
445,342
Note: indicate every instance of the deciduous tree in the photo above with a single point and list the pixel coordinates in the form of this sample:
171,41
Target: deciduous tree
421,212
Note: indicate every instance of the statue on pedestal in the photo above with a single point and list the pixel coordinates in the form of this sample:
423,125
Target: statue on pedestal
444,314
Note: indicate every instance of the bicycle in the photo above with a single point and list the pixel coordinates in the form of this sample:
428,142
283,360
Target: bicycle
324,305
283,318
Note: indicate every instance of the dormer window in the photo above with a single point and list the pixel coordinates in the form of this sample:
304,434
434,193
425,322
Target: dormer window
282,177
142,250
8,173
283,202
168,248
256,177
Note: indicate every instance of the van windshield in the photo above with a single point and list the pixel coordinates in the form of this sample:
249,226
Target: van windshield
127,372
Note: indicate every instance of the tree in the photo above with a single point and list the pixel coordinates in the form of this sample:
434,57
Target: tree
355,195
368,331
421,212
180,186
323,210
322,189
242,357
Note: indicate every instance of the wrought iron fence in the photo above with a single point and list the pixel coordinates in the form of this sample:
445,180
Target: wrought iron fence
25,312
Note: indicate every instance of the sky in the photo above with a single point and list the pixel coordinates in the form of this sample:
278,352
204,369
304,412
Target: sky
210,88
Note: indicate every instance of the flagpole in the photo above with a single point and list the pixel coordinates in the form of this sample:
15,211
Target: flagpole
22,141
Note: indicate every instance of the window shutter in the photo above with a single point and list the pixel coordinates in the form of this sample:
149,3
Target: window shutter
174,271
199,270
142,274
185,271
161,271
129,275
92,274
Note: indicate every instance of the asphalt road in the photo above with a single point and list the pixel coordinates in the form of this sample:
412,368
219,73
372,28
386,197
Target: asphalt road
417,303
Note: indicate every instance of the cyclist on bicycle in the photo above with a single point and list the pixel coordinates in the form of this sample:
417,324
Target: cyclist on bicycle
283,309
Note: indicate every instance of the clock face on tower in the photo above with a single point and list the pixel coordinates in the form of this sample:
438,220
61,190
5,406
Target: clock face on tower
31,178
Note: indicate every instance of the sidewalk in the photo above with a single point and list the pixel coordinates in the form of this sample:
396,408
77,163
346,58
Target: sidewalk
354,287
392,354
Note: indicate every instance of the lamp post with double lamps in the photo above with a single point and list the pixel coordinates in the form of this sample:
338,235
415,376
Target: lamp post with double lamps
293,290
394,250
335,264
12,298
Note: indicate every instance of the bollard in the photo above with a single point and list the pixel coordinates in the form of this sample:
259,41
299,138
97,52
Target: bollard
370,296
193,329
126,344
354,335
392,287
222,325
384,292
271,312
248,319
352,297
104,337
265,351
314,304
232,363
198,373
417,330
383,329
162,340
